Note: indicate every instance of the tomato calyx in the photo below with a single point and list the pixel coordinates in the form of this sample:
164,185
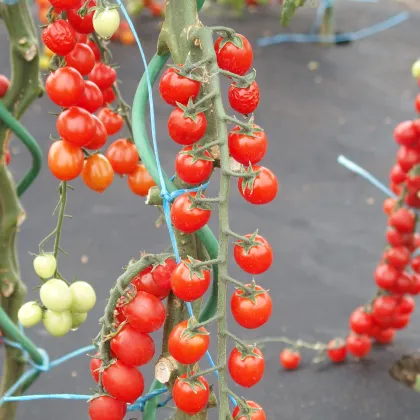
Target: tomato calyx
190,110
244,82
186,70
249,129
245,410
196,267
191,331
248,243
198,201
160,260
197,153
249,351
229,36
192,380
251,291
248,181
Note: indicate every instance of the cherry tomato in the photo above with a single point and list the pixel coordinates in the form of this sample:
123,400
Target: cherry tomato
186,130
123,156
400,321
251,312
100,136
112,121
125,383
4,85
361,322
109,96
45,265
383,307
406,134
76,126
55,294
30,314
107,408
407,157
263,189
386,276
82,38
358,345
191,398
398,257
64,4
188,350
246,367
337,350
103,76
97,173
415,287
403,220
385,336
65,160
245,148
145,313
106,22
184,218
189,286
65,86
95,49
175,88
258,414
255,258
290,359
95,365
403,284
395,238
83,297
244,100
234,58
193,170
81,58
389,204
140,181
58,324
60,37
84,25
397,175
415,263
92,98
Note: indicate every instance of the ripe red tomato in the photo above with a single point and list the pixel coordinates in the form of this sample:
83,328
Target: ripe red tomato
123,382
60,37
193,170
337,350
184,218
415,287
83,38
92,98
244,100
403,220
385,336
4,85
245,148
361,322
388,206
258,414
97,173
395,238
65,86
246,368
397,175
123,156
358,345
100,136
112,121
109,96
95,49
404,283
263,189
76,126
406,134
95,365
412,200
407,157
253,259
384,307
84,25
290,359
415,263
140,181
191,398
186,130
145,313
400,321
188,285
103,76
188,350
251,312
175,88
398,257
107,408
386,276
64,4
65,160
234,58
81,58
132,347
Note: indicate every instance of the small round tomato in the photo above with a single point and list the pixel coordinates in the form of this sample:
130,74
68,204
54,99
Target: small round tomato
109,96
100,136
290,359
189,285
386,276
187,219
403,284
132,347
106,22
251,311
385,336
64,4
254,412
193,166
246,367
140,181
58,324
255,257
76,126
397,175
188,349
83,297
388,206
95,49
123,156
406,305
247,148
97,173
184,129
56,295
4,85
337,350
406,134
398,257
244,100
358,345
84,24
65,86
30,314
107,408
407,157
77,319
45,265
60,37
234,55
103,76
395,238
403,219
174,87
145,313
384,307
361,322
95,365
112,121
123,382
400,321
92,98
191,397
65,160
81,58
260,190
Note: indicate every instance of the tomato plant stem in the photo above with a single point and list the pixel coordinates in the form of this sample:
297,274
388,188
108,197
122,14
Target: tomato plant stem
60,218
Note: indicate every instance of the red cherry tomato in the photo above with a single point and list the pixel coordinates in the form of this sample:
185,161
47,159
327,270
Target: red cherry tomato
112,121
337,350
109,96
60,37
186,130
193,170
92,98
95,365
84,25
255,412
107,408
358,345
406,134
191,398
246,367
65,86
97,173
388,206
103,76
95,49
64,4
415,263
140,181
262,190
400,321
123,156
4,85
65,160
81,58
244,100
403,220
290,359
407,157
247,148
398,257
397,175
254,258
386,276
361,322
100,136
83,38
385,336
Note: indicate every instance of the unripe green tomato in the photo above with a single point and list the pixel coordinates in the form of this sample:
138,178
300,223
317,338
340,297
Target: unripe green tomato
83,297
45,265
106,22
77,319
30,314
56,295
57,323
415,70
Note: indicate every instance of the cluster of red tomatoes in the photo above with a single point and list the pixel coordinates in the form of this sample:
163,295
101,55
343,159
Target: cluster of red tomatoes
82,133
4,87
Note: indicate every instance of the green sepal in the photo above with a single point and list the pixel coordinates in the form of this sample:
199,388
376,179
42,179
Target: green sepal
193,383
197,153
191,332
181,70
245,82
197,271
196,204
235,40
248,351
161,260
189,111
248,182
253,293
245,411
248,243
250,129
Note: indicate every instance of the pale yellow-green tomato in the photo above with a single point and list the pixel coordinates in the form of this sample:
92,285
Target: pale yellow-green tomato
45,265
106,22
77,319
415,70
83,297
56,295
30,314
57,324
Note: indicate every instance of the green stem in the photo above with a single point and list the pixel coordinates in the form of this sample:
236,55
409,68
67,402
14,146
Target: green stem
60,218
294,343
